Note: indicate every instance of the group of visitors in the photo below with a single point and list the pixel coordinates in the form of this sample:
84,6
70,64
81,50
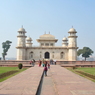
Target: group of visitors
53,62
45,64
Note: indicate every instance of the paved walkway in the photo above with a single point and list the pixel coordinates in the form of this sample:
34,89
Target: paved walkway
59,81
68,83
48,85
25,83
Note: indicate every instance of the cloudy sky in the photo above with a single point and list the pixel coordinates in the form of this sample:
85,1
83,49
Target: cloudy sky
38,16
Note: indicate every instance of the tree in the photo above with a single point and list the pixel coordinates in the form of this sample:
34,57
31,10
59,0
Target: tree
86,52
5,45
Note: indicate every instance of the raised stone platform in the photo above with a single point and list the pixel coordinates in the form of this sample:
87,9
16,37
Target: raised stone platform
59,81
25,83
26,63
77,65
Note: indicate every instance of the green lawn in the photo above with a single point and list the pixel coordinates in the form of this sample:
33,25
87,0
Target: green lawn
87,70
84,69
6,69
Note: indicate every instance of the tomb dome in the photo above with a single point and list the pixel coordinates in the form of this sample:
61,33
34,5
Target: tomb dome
47,36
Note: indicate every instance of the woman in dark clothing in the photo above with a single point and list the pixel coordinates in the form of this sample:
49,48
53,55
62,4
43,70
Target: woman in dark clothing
45,70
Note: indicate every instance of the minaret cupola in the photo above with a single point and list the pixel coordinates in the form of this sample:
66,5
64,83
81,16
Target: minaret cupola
29,43
21,31
72,32
65,42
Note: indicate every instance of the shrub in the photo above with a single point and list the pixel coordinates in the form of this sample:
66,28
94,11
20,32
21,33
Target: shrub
74,67
20,66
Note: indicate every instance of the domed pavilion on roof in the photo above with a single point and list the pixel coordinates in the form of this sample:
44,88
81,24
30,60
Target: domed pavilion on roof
47,40
47,48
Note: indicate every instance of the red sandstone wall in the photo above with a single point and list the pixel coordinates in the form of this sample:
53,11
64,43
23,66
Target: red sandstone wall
14,62
58,62
76,62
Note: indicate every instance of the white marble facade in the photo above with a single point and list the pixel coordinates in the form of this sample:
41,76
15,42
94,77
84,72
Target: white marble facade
47,48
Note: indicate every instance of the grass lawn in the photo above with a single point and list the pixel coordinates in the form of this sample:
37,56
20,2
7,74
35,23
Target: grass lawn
6,69
87,70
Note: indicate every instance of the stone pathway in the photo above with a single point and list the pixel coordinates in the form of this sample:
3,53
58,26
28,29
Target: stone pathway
68,83
59,81
25,83
48,85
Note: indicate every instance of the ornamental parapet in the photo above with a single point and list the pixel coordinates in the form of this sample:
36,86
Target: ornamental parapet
47,40
46,47
21,36
41,47
20,47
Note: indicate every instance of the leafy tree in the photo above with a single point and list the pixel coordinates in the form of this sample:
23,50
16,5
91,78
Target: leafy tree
86,52
5,45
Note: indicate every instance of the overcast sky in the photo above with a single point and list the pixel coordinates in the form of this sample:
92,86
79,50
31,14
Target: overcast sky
56,16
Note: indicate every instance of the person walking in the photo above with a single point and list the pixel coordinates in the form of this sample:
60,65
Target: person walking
31,62
48,66
55,62
45,70
43,61
51,62
40,62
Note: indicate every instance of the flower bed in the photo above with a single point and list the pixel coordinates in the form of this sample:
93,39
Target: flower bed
7,74
86,74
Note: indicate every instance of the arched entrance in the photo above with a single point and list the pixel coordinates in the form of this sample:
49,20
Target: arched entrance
46,55
31,55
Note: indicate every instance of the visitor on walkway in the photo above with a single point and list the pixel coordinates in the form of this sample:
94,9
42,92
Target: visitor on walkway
45,70
33,62
55,62
40,62
51,62
48,66
43,62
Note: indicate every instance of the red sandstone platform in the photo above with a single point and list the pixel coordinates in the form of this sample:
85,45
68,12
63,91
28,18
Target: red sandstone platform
25,83
68,83
59,81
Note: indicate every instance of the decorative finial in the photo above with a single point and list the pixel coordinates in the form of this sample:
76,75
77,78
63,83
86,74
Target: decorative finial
49,32
72,26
